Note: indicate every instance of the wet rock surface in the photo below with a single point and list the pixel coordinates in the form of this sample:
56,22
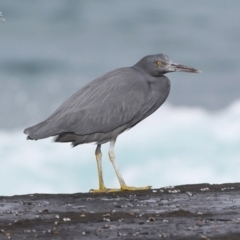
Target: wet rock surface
200,211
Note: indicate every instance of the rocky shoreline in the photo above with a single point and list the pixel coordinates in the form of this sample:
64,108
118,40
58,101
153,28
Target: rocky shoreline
200,211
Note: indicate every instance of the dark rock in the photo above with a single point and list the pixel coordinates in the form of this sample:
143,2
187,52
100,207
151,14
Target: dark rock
200,211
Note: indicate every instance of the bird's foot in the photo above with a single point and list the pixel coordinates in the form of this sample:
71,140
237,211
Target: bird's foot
123,188
104,190
128,188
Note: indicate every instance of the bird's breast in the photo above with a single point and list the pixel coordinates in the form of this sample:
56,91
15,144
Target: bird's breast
160,88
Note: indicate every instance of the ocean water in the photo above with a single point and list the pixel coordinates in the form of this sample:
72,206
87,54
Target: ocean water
48,50
173,146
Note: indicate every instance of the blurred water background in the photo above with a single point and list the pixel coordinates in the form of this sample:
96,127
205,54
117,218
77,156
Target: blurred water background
49,49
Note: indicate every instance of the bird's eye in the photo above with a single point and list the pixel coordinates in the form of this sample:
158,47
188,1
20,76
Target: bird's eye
159,63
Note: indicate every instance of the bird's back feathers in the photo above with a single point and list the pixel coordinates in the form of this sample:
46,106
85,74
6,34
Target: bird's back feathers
101,106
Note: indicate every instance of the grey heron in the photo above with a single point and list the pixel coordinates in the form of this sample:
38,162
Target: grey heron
108,106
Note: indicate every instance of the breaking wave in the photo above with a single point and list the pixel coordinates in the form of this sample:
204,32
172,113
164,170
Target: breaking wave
176,145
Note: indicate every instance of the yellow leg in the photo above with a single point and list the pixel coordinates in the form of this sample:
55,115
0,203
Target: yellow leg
102,187
123,185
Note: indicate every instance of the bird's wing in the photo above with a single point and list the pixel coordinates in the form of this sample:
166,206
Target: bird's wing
103,105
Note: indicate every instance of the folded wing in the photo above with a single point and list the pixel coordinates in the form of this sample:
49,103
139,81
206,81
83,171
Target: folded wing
101,106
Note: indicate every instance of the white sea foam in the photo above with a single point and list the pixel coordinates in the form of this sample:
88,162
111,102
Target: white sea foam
173,146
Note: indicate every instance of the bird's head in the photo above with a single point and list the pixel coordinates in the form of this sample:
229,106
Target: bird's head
159,64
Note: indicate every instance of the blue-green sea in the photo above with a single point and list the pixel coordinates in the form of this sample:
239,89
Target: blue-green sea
49,49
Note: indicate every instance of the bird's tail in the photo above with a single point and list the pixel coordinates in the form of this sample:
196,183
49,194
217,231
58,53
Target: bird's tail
39,131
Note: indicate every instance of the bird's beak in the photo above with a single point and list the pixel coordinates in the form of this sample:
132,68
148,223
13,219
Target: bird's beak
175,67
